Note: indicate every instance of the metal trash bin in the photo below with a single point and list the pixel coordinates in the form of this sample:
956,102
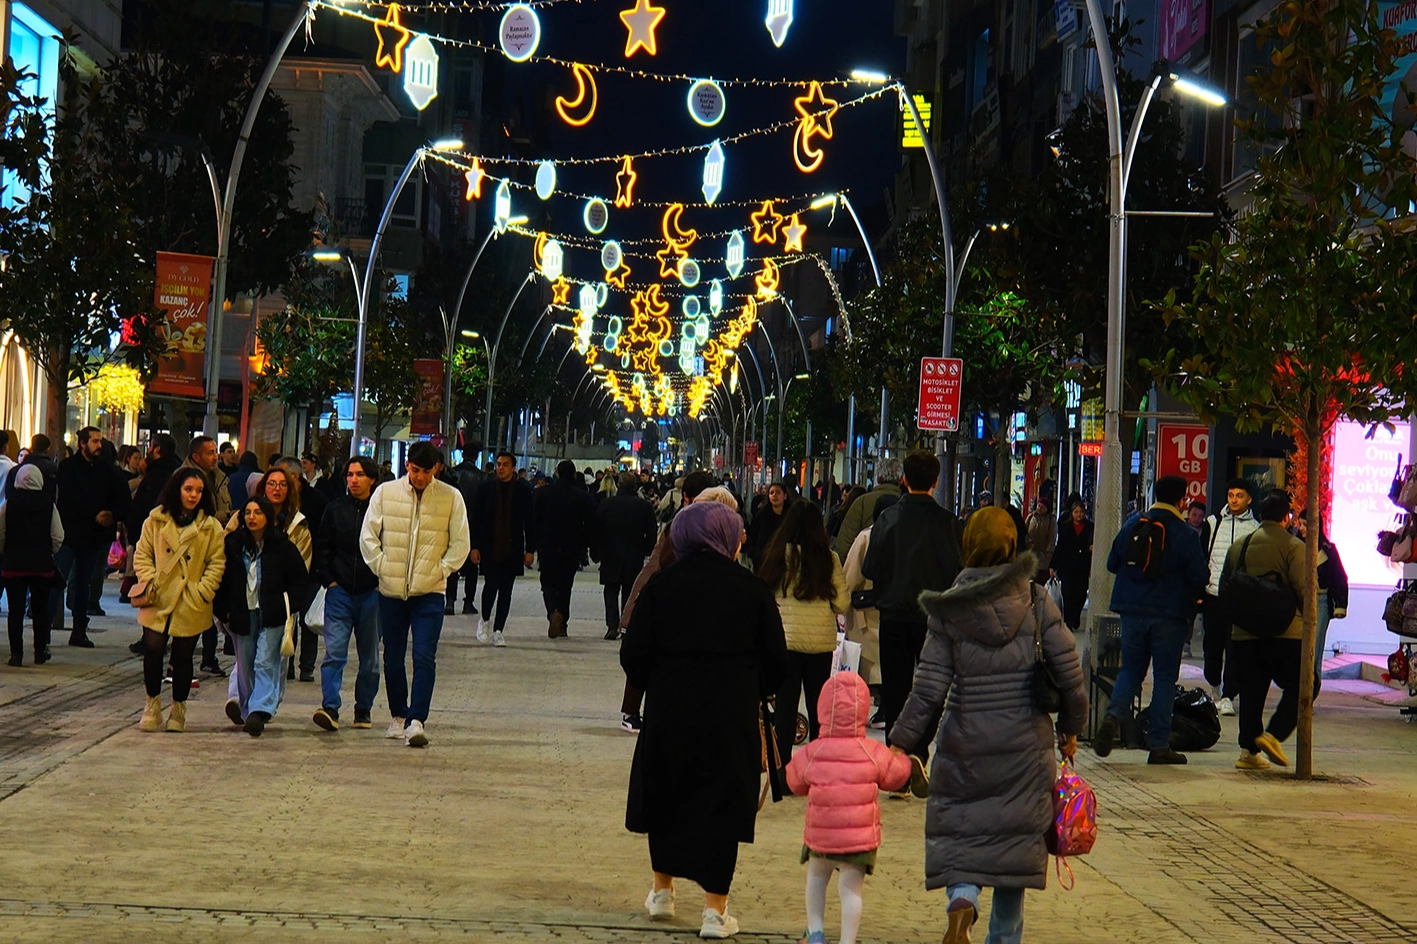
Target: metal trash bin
1103,661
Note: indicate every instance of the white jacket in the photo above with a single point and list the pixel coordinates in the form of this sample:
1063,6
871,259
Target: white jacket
413,542
1223,530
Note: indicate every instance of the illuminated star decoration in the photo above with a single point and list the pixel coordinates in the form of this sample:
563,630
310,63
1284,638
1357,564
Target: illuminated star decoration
765,223
676,241
792,234
625,184
392,36
767,281
474,177
669,259
618,276
808,158
641,22
560,291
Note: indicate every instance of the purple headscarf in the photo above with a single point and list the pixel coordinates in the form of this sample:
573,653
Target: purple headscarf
706,526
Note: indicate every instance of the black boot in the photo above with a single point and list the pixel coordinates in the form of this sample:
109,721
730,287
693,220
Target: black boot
80,638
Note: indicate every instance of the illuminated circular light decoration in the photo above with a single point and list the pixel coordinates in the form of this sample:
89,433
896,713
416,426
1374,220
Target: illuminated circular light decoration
545,179
596,216
715,296
778,20
585,88
611,256
735,256
420,72
666,348
520,32
502,207
641,22
706,102
713,173
552,261
688,273
691,306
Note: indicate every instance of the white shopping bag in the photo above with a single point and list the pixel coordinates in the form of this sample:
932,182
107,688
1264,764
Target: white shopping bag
847,657
1055,591
315,616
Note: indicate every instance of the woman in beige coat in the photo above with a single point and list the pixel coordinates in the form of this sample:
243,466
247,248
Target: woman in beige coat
179,561
863,626
807,580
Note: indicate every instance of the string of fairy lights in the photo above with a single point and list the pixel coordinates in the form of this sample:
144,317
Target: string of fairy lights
633,350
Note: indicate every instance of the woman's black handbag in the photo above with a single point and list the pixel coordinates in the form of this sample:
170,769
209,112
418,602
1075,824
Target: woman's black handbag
1047,696
777,777
863,599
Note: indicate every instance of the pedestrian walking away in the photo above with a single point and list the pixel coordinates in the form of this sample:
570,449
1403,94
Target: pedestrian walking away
92,498
351,599
841,774
469,480
1161,573
863,623
860,515
561,514
265,584
414,536
992,779
503,545
1232,524
179,562
31,532
705,644
622,535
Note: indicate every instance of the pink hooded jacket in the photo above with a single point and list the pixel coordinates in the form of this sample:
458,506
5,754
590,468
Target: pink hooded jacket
842,770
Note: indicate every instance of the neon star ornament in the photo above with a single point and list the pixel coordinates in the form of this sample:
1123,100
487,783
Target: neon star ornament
767,281
625,184
560,290
765,223
792,234
670,257
392,39
545,180
713,173
735,256
575,112
779,20
641,22
475,175
502,207
420,72
812,125
617,278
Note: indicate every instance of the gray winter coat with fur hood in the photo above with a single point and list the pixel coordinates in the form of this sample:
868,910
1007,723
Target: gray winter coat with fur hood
992,777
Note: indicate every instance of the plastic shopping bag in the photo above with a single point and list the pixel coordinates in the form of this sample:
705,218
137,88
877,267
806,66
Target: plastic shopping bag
847,657
117,556
1055,592
315,616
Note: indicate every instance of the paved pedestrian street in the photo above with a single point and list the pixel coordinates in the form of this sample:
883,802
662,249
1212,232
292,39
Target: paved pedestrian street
510,825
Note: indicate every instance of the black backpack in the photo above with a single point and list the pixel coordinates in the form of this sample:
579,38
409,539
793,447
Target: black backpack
1261,605
1145,546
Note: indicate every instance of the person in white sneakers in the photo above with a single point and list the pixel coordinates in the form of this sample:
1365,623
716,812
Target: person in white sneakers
414,535
1231,525
503,544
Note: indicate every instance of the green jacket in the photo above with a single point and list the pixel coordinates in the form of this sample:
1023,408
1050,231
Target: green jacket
1273,549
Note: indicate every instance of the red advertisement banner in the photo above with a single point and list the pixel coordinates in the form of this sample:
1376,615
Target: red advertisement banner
428,410
182,294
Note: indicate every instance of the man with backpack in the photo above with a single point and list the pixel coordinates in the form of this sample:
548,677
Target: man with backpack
1220,532
1261,586
1161,574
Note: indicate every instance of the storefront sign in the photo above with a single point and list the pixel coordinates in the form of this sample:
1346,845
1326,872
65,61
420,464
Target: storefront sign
1362,472
1184,450
182,294
428,410
1400,16
1183,24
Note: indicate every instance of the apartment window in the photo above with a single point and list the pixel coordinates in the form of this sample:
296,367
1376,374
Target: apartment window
379,182
34,49
981,68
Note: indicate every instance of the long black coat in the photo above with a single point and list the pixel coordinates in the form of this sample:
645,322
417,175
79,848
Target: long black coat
622,535
282,573
523,538
1072,555
705,643
561,512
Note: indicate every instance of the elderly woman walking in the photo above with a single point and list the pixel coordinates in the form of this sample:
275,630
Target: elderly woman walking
991,783
705,644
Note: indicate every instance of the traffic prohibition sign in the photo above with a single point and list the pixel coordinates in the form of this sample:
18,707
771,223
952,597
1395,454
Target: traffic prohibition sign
941,382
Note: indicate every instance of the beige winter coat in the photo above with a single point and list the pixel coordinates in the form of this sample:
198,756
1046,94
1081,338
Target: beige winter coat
810,625
413,542
863,626
184,567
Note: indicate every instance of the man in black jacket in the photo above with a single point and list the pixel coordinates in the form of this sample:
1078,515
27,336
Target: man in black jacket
503,542
351,598
622,536
91,500
468,479
914,547
561,512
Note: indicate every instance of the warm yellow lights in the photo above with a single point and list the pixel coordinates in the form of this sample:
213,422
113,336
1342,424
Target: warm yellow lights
767,281
765,223
641,23
474,176
677,241
560,291
625,184
816,111
585,90
793,233
393,38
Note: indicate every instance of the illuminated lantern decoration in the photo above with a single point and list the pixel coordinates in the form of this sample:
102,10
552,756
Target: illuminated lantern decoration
585,88
691,306
735,256
778,20
715,296
420,72
688,273
520,32
625,184
765,223
641,22
552,260
596,215
392,39
502,207
610,256
812,125
793,233
701,328
475,176
713,173
545,180
767,281
560,291
706,102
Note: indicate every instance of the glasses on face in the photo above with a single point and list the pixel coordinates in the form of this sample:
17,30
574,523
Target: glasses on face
273,483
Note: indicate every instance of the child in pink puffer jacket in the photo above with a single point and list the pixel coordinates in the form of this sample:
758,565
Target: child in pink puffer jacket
841,773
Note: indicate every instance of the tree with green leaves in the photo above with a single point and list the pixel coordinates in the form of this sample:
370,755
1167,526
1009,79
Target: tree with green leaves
1307,315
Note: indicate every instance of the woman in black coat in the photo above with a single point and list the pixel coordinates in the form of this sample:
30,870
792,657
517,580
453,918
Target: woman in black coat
1072,561
30,534
705,643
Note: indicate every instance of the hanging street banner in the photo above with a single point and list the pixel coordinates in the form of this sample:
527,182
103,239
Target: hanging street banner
428,409
182,293
1400,16
941,383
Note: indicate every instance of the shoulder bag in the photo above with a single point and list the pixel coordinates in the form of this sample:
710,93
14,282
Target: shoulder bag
1262,605
287,643
1047,695
143,593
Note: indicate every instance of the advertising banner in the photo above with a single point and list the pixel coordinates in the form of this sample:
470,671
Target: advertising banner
1362,471
182,293
428,409
1400,16
1183,24
1184,450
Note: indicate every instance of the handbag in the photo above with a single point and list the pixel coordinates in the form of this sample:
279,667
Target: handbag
1407,493
1400,612
143,593
315,615
772,758
1047,696
1386,541
1074,829
287,643
1402,551
863,599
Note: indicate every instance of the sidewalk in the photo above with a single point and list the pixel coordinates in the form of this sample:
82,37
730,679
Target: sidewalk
510,825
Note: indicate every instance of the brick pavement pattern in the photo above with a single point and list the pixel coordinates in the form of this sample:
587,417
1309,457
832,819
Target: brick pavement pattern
510,825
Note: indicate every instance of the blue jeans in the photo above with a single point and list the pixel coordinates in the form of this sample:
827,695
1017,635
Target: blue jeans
259,679
1005,914
1157,640
77,566
347,613
1325,614
423,617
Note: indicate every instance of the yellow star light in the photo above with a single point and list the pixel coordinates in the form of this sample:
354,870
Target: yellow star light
641,22
617,278
625,184
792,234
811,125
669,258
560,291
475,176
392,36
765,223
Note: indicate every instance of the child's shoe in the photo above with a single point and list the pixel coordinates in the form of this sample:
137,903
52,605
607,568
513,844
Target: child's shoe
814,937
661,903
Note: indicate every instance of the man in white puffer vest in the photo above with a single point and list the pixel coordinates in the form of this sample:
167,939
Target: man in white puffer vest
414,535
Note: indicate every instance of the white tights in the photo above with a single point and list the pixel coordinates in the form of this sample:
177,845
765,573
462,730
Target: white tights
848,886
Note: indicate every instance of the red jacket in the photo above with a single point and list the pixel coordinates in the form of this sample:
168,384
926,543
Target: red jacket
842,771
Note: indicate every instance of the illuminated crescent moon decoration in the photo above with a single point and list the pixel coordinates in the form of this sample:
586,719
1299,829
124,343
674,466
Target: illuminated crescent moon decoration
812,124
585,89
674,234
767,281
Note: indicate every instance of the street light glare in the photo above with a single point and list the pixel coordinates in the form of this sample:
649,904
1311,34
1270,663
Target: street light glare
802,376
824,201
598,368
327,255
470,334
870,75
446,144
518,220
1194,89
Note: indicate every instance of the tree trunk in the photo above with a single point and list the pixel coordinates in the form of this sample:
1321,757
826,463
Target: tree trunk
1003,459
56,414
1313,437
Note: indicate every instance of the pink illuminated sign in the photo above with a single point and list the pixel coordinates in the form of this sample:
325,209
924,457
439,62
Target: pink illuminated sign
1362,471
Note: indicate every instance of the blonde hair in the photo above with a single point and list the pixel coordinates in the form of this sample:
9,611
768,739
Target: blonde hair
718,494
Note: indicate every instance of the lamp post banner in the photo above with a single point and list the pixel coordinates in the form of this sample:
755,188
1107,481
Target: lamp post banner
182,293
427,418
941,382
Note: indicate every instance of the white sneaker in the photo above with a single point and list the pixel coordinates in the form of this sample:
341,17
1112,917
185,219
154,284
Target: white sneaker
414,735
481,630
661,903
718,926
1226,706
395,729
498,639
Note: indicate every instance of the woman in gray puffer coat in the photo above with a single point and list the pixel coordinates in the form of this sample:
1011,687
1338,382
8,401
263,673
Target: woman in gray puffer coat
994,769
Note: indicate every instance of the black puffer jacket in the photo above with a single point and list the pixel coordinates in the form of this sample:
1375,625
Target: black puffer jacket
282,573
914,548
336,557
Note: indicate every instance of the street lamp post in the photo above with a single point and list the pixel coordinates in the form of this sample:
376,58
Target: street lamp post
492,363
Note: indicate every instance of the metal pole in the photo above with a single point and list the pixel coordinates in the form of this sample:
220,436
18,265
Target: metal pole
223,249
466,279
848,464
865,240
451,327
492,364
